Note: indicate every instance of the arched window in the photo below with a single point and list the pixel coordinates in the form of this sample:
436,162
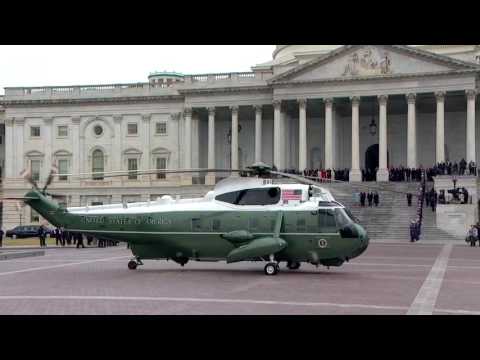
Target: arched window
97,164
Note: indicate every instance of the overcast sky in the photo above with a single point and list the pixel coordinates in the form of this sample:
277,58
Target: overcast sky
41,65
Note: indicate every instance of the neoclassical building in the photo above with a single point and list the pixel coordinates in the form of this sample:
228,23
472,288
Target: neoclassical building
312,106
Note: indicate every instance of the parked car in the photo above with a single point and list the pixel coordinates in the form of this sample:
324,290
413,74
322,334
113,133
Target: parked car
25,231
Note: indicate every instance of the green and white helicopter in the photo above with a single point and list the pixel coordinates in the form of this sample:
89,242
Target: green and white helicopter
244,218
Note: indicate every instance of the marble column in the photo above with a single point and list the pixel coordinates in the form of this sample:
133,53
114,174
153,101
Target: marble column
382,173
48,141
187,146
258,133
302,135
355,172
9,144
234,151
277,104
440,143
76,148
19,141
210,178
328,133
146,165
411,132
471,95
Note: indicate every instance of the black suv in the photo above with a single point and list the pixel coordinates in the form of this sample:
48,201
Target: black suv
25,231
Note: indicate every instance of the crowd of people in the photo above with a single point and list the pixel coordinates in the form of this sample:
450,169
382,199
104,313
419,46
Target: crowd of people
68,238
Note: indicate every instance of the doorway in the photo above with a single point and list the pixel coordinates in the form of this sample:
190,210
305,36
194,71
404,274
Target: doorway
371,163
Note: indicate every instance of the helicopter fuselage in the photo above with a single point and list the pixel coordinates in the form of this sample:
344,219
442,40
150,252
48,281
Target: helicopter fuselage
221,226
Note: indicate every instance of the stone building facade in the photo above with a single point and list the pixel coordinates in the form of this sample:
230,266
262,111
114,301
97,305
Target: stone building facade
315,106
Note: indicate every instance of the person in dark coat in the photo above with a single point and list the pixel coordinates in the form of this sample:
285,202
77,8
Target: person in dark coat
41,236
362,198
376,198
370,198
1,237
89,239
58,239
409,199
413,231
79,238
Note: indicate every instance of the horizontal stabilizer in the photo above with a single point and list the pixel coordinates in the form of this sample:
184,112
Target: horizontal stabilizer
257,248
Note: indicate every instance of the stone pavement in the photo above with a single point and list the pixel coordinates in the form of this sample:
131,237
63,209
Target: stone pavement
389,278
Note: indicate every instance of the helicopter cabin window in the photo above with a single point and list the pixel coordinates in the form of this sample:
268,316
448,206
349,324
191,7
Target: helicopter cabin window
35,169
132,169
63,169
97,164
216,225
262,196
301,223
196,225
326,220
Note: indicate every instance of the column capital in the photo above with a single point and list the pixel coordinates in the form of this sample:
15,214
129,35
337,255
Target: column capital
355,100
440,96
48,120
175,116
76,120
277,104
187,111
211,110
471,94
9,121
302,102
258,108
382,99
411,98
146,117
234,109
329,101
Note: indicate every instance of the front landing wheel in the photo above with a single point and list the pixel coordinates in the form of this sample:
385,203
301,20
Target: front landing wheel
132,265
271,269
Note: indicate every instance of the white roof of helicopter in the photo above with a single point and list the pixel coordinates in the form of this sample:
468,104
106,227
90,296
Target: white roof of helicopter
208,203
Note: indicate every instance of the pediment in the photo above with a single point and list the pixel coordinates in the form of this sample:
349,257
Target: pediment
352,62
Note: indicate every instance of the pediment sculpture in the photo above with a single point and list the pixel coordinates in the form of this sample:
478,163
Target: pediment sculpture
368,61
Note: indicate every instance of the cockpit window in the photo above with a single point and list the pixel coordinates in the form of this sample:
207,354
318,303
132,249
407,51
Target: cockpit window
332,220
261,196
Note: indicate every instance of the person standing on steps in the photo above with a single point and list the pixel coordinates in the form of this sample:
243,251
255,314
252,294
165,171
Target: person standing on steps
370,198
409,199
376,198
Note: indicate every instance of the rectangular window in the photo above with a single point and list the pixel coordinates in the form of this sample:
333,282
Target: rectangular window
35,169
132,129
161,128
161,164
196,225
97,203
34,216
63,169
35,131
62,131
132,169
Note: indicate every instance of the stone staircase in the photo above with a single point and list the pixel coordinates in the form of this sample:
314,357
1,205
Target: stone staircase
391,219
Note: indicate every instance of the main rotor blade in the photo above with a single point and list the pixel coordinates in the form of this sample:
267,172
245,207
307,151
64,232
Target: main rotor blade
118,173
306,180
53,171
27,175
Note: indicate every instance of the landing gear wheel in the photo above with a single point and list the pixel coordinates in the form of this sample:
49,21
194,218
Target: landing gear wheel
132,265
293,265
271,268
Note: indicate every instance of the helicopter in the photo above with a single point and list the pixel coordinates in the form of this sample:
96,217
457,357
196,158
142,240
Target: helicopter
244,218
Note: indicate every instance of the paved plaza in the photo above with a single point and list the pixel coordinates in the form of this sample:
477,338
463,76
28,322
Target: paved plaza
390,278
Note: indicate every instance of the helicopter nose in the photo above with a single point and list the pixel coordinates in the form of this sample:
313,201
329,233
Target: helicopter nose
363,241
